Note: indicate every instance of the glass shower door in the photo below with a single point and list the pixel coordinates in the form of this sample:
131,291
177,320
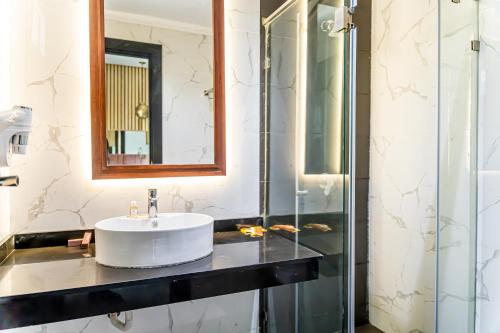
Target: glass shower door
457,185
309,63
323,168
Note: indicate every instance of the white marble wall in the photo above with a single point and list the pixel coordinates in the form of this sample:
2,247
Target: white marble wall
403,165
188,123
208,315
488,266
51,74
5,98
4,208
457,178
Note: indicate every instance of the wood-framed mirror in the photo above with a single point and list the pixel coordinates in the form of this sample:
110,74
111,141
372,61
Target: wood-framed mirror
157,88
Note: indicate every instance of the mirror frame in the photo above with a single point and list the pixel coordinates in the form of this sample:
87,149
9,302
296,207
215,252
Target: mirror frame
100,169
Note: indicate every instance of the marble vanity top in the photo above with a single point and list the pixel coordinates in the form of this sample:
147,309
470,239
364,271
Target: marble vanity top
71,286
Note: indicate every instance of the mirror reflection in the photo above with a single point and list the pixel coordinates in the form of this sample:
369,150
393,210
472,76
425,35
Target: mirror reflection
159,82
325,118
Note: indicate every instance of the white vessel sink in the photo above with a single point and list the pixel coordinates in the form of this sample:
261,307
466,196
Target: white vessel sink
141,243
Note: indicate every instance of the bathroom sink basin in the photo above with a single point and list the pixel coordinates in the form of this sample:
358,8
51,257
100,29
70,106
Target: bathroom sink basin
142,243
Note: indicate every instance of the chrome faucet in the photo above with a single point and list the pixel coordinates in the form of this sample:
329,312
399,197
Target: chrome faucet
9,181
153,203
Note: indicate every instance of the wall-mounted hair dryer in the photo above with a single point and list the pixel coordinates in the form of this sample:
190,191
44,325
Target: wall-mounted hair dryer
15,126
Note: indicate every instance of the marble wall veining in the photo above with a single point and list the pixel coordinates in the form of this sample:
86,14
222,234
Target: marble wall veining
469,249
4,209
403,165
216,314
5,59
400,87
457,178
488,251
50,73
52,76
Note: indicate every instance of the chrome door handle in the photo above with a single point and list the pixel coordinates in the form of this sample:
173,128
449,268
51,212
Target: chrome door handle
302,193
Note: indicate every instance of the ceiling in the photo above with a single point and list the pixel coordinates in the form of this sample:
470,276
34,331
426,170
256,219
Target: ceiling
197,12
116,59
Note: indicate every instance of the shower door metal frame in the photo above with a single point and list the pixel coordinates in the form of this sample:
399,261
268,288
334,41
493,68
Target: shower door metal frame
351,230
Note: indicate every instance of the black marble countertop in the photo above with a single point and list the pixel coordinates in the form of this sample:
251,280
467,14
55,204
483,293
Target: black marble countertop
54,284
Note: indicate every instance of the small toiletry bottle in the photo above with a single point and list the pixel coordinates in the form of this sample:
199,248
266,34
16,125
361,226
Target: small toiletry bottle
134,209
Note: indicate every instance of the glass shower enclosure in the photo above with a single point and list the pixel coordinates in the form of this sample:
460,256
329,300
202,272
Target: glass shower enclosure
468,293
467,299
457,175
309,89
